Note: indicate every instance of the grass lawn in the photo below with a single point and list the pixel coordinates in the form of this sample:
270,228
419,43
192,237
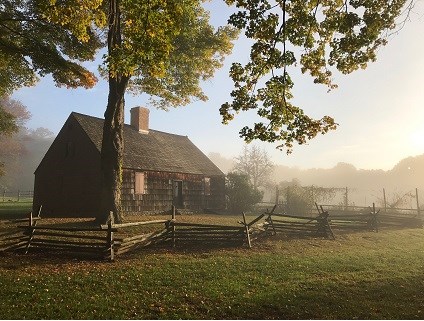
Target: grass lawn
358,276
13,209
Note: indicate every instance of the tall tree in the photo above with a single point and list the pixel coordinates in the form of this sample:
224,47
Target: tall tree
317,36
164,49
255,163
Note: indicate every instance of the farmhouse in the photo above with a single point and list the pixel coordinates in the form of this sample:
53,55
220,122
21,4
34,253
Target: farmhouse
159,170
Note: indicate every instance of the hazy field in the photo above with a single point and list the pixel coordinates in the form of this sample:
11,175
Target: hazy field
360,275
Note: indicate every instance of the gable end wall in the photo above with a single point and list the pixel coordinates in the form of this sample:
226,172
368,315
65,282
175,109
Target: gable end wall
67,181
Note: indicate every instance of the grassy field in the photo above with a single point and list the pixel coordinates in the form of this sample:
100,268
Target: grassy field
11,210
357,276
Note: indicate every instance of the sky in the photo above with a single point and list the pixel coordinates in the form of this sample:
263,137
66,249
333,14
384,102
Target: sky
379,110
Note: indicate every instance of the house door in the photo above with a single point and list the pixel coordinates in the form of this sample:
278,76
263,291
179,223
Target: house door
178,193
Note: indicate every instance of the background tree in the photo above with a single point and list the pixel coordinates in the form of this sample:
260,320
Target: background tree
241,195
316,36
7,122
21,151
16,116
256,164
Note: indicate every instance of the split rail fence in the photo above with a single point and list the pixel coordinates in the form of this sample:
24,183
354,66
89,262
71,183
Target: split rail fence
292,225
358,217
108,241
16,196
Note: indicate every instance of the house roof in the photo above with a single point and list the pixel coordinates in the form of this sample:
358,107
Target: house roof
155,151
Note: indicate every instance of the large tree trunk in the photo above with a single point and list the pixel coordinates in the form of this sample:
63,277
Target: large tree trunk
113,143
112,150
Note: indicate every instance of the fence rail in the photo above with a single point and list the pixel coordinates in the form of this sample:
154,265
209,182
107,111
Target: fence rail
16,196
298,225
107,241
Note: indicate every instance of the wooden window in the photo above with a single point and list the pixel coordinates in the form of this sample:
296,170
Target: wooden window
139,183
207,186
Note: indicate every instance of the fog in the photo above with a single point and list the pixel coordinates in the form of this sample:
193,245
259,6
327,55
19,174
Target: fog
364,186
19,167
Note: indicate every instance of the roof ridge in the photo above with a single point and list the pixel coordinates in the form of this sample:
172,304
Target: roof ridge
129,125
159,151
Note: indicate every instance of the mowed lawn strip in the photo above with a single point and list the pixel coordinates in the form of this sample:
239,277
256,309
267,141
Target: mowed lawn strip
360,275
14,210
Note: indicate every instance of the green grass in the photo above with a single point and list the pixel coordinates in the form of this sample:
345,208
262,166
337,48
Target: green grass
11,210
361,275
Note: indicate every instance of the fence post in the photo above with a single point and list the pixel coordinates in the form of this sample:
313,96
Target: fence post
4,194
110,239
418,203
31,231
277,194
385,202
374,221
173,225
247,230
269,219
346,200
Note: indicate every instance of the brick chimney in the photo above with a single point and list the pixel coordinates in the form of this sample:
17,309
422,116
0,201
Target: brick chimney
140,119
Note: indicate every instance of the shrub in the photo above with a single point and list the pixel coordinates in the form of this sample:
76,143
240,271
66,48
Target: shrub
241,195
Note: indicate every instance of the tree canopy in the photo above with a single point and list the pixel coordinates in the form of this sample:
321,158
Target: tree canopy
7,122
36,40
317,36
166,48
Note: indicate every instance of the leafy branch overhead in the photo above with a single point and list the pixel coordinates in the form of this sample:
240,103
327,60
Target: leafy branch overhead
167,48
38,38
319,35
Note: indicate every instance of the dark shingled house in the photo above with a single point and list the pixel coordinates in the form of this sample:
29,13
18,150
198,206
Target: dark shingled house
159,170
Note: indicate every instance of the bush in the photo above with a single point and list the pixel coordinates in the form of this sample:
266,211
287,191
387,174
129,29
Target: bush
241,195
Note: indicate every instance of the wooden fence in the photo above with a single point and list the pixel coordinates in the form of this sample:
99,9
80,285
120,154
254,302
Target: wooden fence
16,196
292,225
107,241
367,219
11,237
361,217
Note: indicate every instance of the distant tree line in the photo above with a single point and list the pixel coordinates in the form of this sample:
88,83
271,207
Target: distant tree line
22,149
